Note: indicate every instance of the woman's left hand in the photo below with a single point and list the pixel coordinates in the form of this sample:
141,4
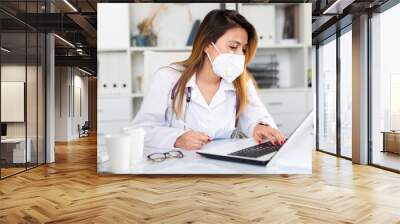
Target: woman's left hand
264,131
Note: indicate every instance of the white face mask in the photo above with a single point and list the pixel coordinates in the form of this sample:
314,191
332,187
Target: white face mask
227,65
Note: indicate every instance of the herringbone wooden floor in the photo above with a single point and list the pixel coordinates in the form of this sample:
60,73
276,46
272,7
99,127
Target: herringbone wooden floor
70,191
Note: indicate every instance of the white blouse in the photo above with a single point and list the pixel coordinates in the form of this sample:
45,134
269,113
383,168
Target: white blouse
216,119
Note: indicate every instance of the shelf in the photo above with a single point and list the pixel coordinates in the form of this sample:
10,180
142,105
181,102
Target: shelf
189,48
113,50
282,46
285,89
133,95
141,49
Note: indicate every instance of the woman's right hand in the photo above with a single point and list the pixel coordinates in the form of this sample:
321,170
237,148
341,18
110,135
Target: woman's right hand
191,140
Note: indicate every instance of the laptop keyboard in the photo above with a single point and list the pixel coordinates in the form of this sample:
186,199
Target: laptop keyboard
257,150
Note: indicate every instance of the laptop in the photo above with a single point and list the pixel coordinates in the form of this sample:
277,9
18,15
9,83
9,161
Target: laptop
245,151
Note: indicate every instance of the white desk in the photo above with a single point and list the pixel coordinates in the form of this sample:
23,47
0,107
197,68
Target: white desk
19,149
289,160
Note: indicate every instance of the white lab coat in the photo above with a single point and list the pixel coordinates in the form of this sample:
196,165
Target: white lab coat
216,119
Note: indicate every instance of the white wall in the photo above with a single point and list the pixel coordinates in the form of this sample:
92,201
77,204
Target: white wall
12,100
62,82
17,73
68,82
14,73
80,83
33,126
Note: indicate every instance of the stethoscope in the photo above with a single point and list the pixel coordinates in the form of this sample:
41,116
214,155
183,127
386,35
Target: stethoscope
234,134
188,99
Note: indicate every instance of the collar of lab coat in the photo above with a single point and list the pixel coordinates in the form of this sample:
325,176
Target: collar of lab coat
224,85
219,97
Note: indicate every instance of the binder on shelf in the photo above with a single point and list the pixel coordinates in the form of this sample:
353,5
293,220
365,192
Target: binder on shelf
193,32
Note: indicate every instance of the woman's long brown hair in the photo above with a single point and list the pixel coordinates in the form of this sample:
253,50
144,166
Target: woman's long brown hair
214,25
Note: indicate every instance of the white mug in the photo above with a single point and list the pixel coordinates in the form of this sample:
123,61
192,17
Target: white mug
137,144
118,148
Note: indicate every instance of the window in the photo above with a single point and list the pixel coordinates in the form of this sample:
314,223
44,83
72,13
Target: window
327,97
385,89
394,101
330,134
346,93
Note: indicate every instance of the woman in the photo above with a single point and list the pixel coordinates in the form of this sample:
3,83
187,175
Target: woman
211,94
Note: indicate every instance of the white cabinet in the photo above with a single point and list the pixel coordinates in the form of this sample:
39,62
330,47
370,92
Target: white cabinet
114,109
266,26
288,107
112,26
114,73
286,100
288,122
